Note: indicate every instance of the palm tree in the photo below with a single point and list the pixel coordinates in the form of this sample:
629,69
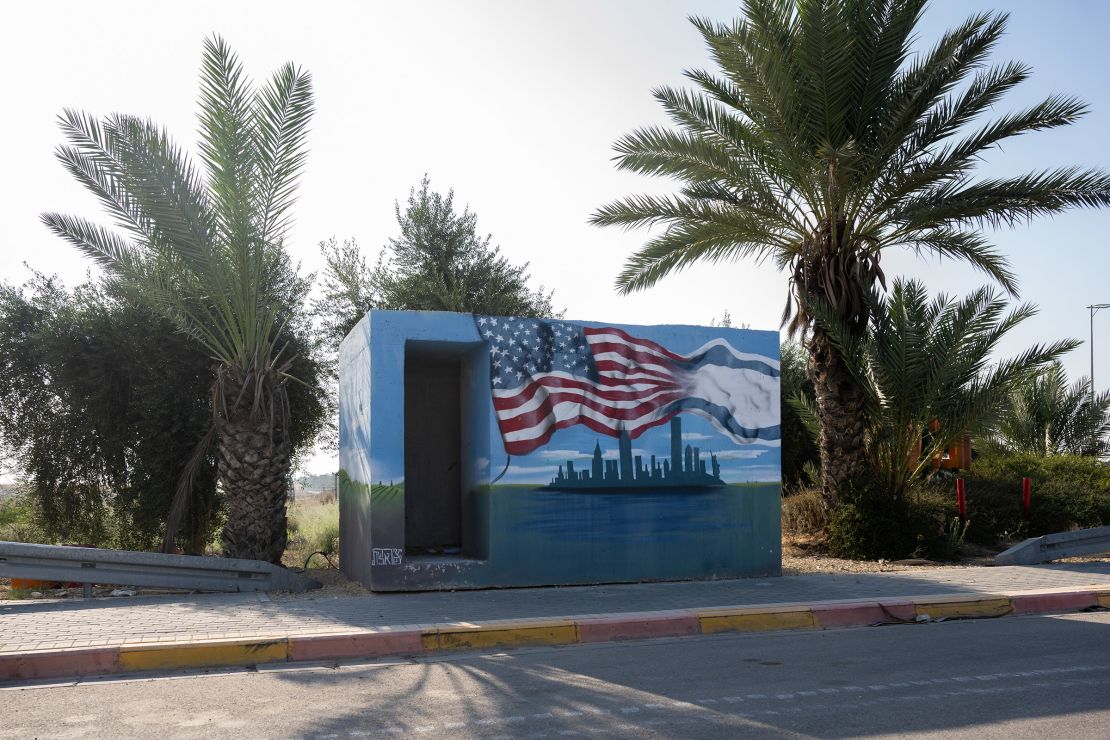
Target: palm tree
206,246
1047,417
823,141
928,365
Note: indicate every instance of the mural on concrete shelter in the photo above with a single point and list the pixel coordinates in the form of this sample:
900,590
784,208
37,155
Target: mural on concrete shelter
558,387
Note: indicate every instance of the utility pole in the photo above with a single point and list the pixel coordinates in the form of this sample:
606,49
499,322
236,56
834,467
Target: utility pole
1094,308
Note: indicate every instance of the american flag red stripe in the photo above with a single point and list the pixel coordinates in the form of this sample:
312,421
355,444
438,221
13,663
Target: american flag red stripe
536,417
630,342
628,383
553,385
526,446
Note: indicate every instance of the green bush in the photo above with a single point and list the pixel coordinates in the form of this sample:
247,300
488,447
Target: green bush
870,523
1068,492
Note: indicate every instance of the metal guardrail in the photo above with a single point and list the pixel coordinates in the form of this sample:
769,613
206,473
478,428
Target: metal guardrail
1049,547
126,568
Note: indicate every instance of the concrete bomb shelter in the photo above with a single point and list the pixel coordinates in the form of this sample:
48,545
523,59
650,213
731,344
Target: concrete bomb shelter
487,451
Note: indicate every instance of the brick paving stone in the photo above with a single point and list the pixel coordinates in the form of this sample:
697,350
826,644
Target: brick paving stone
48,625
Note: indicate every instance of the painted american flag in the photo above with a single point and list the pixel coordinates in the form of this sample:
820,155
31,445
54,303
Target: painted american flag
546,375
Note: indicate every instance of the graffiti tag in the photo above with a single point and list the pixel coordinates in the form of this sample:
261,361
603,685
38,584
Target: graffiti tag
386,555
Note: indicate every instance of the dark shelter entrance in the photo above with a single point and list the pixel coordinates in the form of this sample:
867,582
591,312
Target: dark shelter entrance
433,451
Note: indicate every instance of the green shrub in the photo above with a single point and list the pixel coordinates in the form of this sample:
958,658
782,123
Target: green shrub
870,523
1068,492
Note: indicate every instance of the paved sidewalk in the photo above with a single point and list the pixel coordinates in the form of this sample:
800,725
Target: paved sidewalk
37,626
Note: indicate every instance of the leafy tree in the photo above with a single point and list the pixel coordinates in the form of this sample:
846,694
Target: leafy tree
207,247
1049,417
927,365
821,142
349,288
101,402
440,263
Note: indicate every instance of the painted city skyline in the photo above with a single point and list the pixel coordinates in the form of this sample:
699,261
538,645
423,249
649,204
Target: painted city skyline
685,468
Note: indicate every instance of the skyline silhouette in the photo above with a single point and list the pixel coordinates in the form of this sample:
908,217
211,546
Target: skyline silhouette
686,467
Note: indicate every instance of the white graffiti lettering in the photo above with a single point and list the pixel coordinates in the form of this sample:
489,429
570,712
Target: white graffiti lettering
386,555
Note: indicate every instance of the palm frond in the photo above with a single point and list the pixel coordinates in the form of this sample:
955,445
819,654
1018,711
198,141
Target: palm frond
283,110
227,141
160,178
1005,201
683,244
970,247
105,247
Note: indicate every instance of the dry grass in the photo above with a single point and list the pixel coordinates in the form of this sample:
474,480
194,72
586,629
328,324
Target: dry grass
313,527
803,513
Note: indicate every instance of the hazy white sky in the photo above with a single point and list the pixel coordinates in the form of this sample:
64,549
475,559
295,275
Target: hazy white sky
516,106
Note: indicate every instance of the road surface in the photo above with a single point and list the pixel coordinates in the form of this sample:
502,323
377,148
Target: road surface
1001,678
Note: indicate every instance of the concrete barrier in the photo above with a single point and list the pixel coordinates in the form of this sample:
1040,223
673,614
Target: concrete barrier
1049,547
127,568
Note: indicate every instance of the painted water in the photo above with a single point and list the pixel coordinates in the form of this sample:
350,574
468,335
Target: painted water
643,535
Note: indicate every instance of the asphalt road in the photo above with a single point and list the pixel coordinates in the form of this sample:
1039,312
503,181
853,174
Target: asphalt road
1002,678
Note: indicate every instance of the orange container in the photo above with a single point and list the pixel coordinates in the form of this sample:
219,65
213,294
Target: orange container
27,584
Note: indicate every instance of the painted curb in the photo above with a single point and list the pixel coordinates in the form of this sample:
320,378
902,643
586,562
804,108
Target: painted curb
637,626
1059,602
830,616
59,663
942,607
358,645
593,628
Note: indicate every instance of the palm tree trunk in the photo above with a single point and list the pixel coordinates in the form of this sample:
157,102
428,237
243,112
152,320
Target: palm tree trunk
254,472
841,419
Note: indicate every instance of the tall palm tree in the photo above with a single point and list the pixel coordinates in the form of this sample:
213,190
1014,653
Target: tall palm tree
1049,417
206,245
823,141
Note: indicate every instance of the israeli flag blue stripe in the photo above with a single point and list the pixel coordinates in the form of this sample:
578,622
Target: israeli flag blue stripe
723,419
722,356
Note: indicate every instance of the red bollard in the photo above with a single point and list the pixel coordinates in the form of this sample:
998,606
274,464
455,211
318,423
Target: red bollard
1026,499
961,500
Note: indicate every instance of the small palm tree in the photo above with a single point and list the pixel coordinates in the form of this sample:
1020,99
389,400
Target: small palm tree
207,247
820,143
1049,417
927,365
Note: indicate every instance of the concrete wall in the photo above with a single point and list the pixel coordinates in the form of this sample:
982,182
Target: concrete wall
523,521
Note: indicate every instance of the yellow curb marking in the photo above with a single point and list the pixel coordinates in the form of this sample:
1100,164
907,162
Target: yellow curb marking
1103,599
192,656
976,608
757,622
562,633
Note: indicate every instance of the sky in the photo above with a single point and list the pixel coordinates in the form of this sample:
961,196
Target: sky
516,106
